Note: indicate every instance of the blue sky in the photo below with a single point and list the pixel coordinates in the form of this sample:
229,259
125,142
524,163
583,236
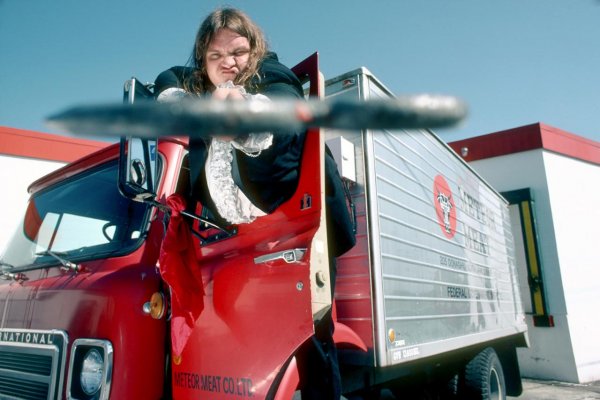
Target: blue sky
514,62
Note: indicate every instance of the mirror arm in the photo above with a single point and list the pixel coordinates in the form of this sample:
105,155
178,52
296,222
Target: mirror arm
122,170
148,163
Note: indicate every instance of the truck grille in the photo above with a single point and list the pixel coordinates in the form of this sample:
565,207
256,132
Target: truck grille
32,364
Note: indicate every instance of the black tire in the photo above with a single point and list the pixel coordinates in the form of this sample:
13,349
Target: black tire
484,378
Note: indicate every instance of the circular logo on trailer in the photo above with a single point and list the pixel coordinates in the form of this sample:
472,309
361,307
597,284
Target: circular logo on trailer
444,206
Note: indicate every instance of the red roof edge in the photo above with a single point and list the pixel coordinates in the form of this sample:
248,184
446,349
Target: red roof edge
528,137
45,146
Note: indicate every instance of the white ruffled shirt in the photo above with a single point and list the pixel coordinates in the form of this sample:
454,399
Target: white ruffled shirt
232,204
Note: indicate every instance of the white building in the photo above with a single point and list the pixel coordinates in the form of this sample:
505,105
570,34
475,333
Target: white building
552,178
26,156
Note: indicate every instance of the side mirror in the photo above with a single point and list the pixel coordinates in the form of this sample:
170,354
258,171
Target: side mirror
138,168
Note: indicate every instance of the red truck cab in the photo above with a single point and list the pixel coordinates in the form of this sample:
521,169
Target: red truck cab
81,267
82,295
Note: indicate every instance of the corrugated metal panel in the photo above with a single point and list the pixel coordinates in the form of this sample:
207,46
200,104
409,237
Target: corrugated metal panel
440,249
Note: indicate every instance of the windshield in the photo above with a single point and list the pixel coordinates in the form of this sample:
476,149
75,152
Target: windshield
84,217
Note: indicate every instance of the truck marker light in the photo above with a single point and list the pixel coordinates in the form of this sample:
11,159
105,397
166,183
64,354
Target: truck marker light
156,306
391,335
176,359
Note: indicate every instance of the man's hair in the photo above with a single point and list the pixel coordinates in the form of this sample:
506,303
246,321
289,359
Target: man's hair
238,22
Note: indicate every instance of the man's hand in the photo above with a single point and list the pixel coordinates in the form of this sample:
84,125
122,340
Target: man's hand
227,93
222,93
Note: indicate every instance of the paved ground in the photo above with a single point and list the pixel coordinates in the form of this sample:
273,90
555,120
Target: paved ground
551,390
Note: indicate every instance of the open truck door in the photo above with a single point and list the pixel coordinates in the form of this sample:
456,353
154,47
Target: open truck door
259,297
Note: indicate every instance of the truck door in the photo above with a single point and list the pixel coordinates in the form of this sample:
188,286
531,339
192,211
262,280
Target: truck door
258,307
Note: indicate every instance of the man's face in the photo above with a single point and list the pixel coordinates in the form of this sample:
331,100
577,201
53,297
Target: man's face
227,56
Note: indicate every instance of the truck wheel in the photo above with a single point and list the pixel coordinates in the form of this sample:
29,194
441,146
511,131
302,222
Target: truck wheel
484,378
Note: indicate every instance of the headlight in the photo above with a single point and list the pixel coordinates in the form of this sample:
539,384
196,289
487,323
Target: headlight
92,371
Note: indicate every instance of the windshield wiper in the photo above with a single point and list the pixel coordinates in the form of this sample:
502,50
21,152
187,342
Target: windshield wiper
66,264
18,276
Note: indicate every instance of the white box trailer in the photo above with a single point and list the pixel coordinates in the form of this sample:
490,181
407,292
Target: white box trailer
432,280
